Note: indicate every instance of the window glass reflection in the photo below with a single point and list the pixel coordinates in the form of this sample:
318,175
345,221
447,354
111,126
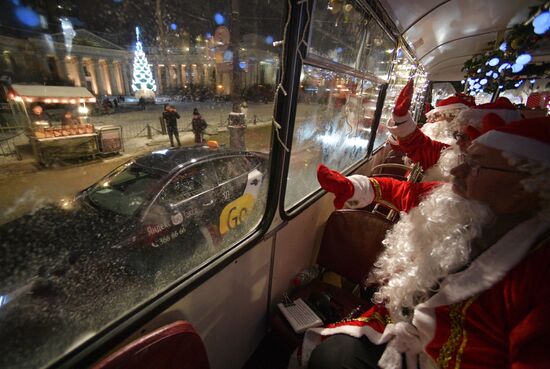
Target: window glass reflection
333,124
338,32
98,213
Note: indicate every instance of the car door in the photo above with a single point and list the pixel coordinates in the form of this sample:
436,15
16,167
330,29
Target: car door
185,204
239,185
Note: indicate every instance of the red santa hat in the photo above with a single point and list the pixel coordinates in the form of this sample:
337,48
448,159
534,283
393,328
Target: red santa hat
489,122
450,105
474,116
529,138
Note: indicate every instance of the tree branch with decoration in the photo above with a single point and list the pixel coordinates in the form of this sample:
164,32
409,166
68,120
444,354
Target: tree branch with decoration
509,65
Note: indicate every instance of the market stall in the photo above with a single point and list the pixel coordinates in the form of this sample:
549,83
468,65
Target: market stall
53,132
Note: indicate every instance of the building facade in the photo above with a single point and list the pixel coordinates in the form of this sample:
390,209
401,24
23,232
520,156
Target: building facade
105,68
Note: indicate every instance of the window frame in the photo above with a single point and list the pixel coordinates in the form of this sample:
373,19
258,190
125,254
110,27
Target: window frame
313,60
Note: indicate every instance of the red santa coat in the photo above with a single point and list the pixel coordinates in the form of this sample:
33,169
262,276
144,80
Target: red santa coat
494,314
402,194
421,149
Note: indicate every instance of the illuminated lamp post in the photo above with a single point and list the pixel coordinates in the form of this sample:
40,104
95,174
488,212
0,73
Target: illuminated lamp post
237,126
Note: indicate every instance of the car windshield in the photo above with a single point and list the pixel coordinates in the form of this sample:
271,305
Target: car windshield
124,190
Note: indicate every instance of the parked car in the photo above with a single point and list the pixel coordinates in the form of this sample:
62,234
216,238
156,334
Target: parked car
150,212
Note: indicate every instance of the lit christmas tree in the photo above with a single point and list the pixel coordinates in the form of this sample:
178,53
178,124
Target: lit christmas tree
143,83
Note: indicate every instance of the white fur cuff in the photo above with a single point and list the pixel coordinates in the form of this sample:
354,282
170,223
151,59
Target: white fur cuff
393,140
363,194
402,126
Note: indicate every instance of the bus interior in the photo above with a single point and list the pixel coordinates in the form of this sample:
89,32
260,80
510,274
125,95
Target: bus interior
215,233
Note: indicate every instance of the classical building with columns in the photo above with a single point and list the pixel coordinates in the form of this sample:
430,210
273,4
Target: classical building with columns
105,68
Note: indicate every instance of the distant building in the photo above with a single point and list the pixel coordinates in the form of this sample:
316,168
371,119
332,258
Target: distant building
105,68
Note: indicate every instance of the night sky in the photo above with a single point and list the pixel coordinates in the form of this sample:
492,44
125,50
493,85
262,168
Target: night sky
116,20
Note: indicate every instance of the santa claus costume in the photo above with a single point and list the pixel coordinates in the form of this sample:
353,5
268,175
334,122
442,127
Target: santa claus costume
443,156
446,306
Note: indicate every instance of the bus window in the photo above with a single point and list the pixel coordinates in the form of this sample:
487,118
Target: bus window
440,91
101,215
332,126
403,70
338,34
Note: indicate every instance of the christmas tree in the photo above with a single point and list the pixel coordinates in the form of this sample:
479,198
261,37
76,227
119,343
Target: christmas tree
143,83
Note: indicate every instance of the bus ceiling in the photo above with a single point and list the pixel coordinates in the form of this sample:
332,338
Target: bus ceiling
446,33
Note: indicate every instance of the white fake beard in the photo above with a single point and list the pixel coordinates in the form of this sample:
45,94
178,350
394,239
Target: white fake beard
441,171
439,131
427,244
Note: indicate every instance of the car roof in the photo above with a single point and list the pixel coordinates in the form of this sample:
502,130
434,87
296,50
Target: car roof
168,160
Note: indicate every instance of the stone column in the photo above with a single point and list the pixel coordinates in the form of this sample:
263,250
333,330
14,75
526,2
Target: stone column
167,76
112,77
62,67
183,69
158,77
179,82
98,78
81,74
125,78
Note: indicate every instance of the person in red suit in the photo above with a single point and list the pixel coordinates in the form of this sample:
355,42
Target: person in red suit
462,282
438,151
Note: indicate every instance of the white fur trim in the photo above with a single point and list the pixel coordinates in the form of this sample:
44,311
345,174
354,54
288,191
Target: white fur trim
484,272
363,193
313,337
440,109
474,117
520,145
401,126
393,140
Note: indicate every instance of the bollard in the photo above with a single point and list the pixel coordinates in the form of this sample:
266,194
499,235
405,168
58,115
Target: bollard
149,133
162,126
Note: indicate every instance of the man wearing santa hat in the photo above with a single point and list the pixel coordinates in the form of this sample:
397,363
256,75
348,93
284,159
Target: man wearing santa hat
462,282
438,119
438,152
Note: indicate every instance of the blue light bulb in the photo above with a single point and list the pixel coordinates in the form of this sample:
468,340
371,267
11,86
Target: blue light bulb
494,62
483,82
516,68
503,46
269,40
495,75
542,22
503,67
219,18
174,26
479,70
523,59
27,16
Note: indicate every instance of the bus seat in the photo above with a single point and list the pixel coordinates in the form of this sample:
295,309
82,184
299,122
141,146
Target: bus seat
351,242
174,346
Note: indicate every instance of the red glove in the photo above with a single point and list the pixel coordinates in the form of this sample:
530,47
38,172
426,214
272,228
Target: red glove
403,102
334,182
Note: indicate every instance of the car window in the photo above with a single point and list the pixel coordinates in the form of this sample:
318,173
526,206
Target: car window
188,183
125,190
229,168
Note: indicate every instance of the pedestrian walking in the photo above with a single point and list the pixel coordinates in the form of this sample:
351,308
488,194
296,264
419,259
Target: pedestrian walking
170,116
199,126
